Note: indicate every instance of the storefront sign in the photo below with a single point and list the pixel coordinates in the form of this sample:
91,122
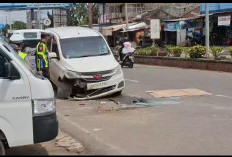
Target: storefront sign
155,28
223,20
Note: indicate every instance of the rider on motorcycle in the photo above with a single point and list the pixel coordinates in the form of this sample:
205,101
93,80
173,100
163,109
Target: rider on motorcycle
125,49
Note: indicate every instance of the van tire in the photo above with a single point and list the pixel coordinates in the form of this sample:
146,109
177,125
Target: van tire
2,148
117,93
64,90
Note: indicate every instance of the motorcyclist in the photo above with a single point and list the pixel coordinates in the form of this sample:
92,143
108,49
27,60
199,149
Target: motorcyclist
125,49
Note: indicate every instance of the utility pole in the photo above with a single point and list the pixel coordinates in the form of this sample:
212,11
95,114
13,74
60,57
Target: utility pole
126,16
10,19
207,28
39,16
90,6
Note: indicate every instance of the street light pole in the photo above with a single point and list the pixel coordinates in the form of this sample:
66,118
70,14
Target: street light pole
126,16
39,15
10,19
207,28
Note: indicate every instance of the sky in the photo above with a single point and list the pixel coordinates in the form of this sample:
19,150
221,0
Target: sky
18,16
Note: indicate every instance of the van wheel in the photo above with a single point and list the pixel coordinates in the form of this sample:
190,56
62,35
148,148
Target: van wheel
2,148
117,93
64,89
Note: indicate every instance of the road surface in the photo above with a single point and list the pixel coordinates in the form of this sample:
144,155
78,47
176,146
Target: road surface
195,125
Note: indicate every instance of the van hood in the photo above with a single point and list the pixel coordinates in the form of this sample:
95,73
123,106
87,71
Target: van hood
91,64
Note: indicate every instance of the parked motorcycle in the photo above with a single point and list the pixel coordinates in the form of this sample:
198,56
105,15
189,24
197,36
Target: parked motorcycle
196,39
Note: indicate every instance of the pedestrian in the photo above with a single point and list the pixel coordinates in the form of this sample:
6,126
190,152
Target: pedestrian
41,57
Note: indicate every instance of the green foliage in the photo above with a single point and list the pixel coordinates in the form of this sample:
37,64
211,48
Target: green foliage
185,51
216,51
19,25
197,51
116,48
177,51
78,15
169,49
148,51
141,52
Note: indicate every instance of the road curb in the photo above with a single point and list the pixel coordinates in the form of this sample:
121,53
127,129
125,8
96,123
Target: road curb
93,145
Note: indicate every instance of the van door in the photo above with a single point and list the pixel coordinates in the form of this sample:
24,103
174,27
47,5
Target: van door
15,103
53,63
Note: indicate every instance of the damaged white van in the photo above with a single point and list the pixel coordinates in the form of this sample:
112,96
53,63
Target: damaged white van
27,104
82,64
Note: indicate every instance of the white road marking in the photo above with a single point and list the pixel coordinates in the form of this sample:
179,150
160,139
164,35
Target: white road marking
132,80
224,96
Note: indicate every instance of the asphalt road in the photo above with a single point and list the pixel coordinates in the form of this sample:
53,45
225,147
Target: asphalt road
197,125
192,125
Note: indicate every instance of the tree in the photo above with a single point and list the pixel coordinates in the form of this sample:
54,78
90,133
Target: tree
19,25
78,15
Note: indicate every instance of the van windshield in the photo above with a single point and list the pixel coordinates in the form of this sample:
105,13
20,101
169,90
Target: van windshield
84,47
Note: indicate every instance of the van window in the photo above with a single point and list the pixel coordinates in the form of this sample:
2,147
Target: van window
30,35
84,47
3,60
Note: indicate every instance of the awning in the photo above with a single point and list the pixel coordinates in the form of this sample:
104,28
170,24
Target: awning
107,31
135,27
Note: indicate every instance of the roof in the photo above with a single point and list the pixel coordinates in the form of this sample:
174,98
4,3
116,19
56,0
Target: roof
27,30
73,32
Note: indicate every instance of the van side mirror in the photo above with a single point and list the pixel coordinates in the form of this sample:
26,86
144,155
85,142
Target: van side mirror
11,72
52,55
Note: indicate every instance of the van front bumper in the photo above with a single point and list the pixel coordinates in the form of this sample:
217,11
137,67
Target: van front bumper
114,85
45,128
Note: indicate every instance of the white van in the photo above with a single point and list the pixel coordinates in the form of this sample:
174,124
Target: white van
30,37
27,104
81,63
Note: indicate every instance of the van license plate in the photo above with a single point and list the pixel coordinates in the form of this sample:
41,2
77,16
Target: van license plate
96,85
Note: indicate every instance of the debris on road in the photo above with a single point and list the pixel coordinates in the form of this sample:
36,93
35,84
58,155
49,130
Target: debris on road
157,103
69,143
174,98
177,93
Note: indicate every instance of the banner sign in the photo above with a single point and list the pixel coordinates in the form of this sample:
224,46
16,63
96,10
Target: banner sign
223,20
174,26
155,28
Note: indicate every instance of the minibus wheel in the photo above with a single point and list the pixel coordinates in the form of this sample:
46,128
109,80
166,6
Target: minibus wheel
2,148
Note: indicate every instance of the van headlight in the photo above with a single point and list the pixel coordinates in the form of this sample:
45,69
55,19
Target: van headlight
72,74
118,70
43,107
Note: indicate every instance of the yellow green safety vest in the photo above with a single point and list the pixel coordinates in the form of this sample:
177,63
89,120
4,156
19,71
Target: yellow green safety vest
22,55
41,51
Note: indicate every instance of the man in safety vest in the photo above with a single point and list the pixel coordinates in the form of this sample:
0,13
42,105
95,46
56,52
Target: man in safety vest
41,56
23,55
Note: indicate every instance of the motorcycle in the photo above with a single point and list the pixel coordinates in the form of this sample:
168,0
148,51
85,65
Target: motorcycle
128,60
196,39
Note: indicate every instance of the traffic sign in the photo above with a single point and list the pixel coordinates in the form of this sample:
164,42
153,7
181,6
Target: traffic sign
47,22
